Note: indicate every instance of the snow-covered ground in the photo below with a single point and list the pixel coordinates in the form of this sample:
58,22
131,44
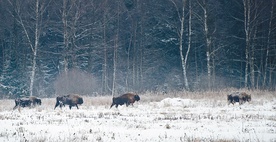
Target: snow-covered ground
171,120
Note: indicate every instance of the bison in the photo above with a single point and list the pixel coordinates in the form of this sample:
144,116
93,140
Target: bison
71,100
128,98
240,97
23,102
27,102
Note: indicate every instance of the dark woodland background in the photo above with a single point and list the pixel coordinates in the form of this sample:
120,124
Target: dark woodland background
107,47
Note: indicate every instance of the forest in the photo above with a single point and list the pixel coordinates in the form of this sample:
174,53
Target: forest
107,47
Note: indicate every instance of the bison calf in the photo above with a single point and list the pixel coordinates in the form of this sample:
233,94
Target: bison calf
128,98
240,97
71,100
27,102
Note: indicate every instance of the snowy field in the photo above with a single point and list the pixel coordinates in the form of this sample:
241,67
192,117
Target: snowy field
166,119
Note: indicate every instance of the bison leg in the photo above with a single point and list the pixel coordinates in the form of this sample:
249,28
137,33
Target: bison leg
15,107
17,103
232,101
57,105
241,101
111,105
229,102
77,106
229,99
132,104
127,103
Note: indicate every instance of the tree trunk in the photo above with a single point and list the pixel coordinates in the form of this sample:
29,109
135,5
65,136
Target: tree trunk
128,62
35,48
135,57
183,59
189,46
246,4
141,49
268,45
252,62
116,40
208,43
114,65
65,36
181,34
104,76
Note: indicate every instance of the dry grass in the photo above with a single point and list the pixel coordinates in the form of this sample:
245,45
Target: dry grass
211,95
215,97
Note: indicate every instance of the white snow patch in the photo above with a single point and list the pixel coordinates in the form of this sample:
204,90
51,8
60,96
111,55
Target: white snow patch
175,102
172,119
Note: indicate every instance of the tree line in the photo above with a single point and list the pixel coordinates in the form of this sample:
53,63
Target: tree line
108,47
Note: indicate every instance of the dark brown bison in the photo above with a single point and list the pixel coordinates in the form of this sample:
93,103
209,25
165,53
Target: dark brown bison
240,97
71,100
128,98
23,102
27,102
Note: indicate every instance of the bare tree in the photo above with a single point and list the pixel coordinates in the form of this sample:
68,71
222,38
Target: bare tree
247,40
268,43
32,33
190,42
65,34
104,27
181,16
115,56
208,39
251,13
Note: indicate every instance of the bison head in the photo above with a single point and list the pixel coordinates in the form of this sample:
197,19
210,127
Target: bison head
137,98
248,98
38,101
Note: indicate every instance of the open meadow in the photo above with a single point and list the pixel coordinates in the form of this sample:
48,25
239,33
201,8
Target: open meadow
173,117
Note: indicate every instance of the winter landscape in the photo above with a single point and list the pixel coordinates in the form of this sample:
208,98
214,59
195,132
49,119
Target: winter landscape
182,57
174,117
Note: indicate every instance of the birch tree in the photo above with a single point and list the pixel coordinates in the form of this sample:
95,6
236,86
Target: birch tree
189,44
207,37
32,34
181,17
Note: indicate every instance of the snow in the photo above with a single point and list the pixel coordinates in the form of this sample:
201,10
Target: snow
171,119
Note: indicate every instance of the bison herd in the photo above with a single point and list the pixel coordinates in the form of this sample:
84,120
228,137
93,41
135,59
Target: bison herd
75,100
128,98
240,97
